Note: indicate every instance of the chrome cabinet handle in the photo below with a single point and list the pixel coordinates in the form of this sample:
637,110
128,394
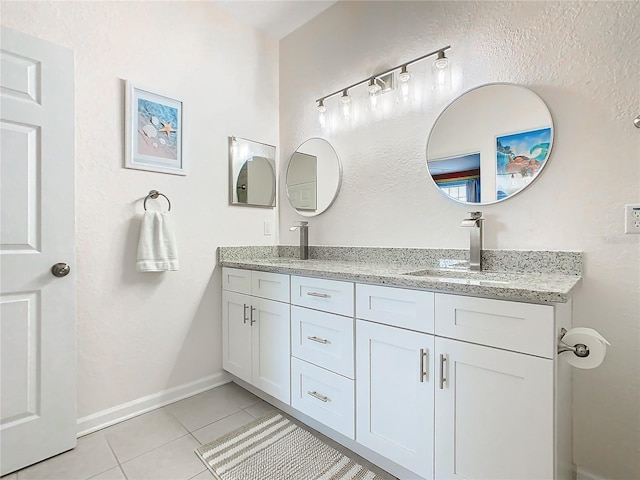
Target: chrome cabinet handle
319,340
443,359
424,369
315,394
245,313
253,309
316,294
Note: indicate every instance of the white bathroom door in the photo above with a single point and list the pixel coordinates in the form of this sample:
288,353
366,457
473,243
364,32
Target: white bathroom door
37,309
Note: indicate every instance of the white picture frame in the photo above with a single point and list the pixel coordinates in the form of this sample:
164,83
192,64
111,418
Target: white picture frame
153,131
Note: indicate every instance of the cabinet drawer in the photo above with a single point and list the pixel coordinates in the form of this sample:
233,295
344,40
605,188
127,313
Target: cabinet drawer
412,309
323,395
324,339
521,327
328,295
274,286
236,280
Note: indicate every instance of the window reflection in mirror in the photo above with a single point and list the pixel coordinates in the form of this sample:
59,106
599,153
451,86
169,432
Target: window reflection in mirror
313,177
252,175
489,144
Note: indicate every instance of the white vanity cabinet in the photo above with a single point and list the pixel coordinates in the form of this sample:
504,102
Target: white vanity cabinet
445,386
255,331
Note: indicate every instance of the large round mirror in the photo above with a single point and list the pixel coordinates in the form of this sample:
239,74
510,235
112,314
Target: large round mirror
313,177
490,143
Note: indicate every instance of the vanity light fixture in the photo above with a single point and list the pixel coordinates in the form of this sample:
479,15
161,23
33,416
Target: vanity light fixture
383,81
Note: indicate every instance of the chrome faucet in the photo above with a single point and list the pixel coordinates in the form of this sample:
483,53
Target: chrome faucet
474,221
304,239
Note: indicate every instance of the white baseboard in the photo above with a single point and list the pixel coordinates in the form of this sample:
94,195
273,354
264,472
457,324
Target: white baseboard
111,416
584,474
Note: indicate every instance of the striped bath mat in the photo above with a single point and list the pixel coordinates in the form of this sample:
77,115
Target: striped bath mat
274,448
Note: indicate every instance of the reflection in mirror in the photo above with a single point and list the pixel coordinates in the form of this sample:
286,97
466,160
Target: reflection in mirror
313,177
490,143
302,181
252,178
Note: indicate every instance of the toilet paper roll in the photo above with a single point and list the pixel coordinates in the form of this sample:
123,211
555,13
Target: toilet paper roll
596,343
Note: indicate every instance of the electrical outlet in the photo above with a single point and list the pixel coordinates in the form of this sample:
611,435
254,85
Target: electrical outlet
267,227
632,218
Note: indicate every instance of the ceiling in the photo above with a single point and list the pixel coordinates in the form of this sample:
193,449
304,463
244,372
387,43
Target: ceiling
277,18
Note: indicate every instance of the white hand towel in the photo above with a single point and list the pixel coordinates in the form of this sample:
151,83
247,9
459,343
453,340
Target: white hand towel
157,251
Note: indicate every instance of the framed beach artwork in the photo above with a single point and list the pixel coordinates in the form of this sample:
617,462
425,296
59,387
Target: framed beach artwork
153,132
519,159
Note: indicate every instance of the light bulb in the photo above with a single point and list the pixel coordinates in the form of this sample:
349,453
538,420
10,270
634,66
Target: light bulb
346,104
373,101
404,78
441,72
321,107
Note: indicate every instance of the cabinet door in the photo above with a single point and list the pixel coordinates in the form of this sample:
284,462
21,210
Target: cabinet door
236,334
494,414
394,392
270,342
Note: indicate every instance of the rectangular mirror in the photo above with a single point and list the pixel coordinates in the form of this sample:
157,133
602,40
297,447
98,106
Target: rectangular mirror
252,177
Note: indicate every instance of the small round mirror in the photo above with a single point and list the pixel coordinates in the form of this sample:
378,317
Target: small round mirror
489,144
313,177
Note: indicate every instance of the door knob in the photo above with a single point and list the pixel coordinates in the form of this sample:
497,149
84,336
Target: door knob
60,270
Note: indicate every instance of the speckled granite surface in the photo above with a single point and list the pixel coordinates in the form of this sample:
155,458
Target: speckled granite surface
533,276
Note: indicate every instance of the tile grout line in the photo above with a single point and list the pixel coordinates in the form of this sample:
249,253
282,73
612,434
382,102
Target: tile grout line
194,452
114,456
156,448
124,474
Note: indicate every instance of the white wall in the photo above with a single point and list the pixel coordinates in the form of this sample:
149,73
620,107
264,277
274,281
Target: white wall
582,60
140,333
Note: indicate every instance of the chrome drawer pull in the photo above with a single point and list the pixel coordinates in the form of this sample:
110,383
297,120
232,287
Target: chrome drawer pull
319,340
442,379
253,309
315,394
321,295
245,313
424,372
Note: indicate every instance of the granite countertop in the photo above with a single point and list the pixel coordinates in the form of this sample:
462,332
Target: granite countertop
530,276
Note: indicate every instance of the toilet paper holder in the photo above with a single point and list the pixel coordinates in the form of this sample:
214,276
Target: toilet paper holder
579,349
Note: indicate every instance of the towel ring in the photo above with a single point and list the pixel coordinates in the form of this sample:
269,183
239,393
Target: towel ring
155,194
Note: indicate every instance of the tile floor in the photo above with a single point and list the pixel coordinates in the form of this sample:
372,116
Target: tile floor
159,445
